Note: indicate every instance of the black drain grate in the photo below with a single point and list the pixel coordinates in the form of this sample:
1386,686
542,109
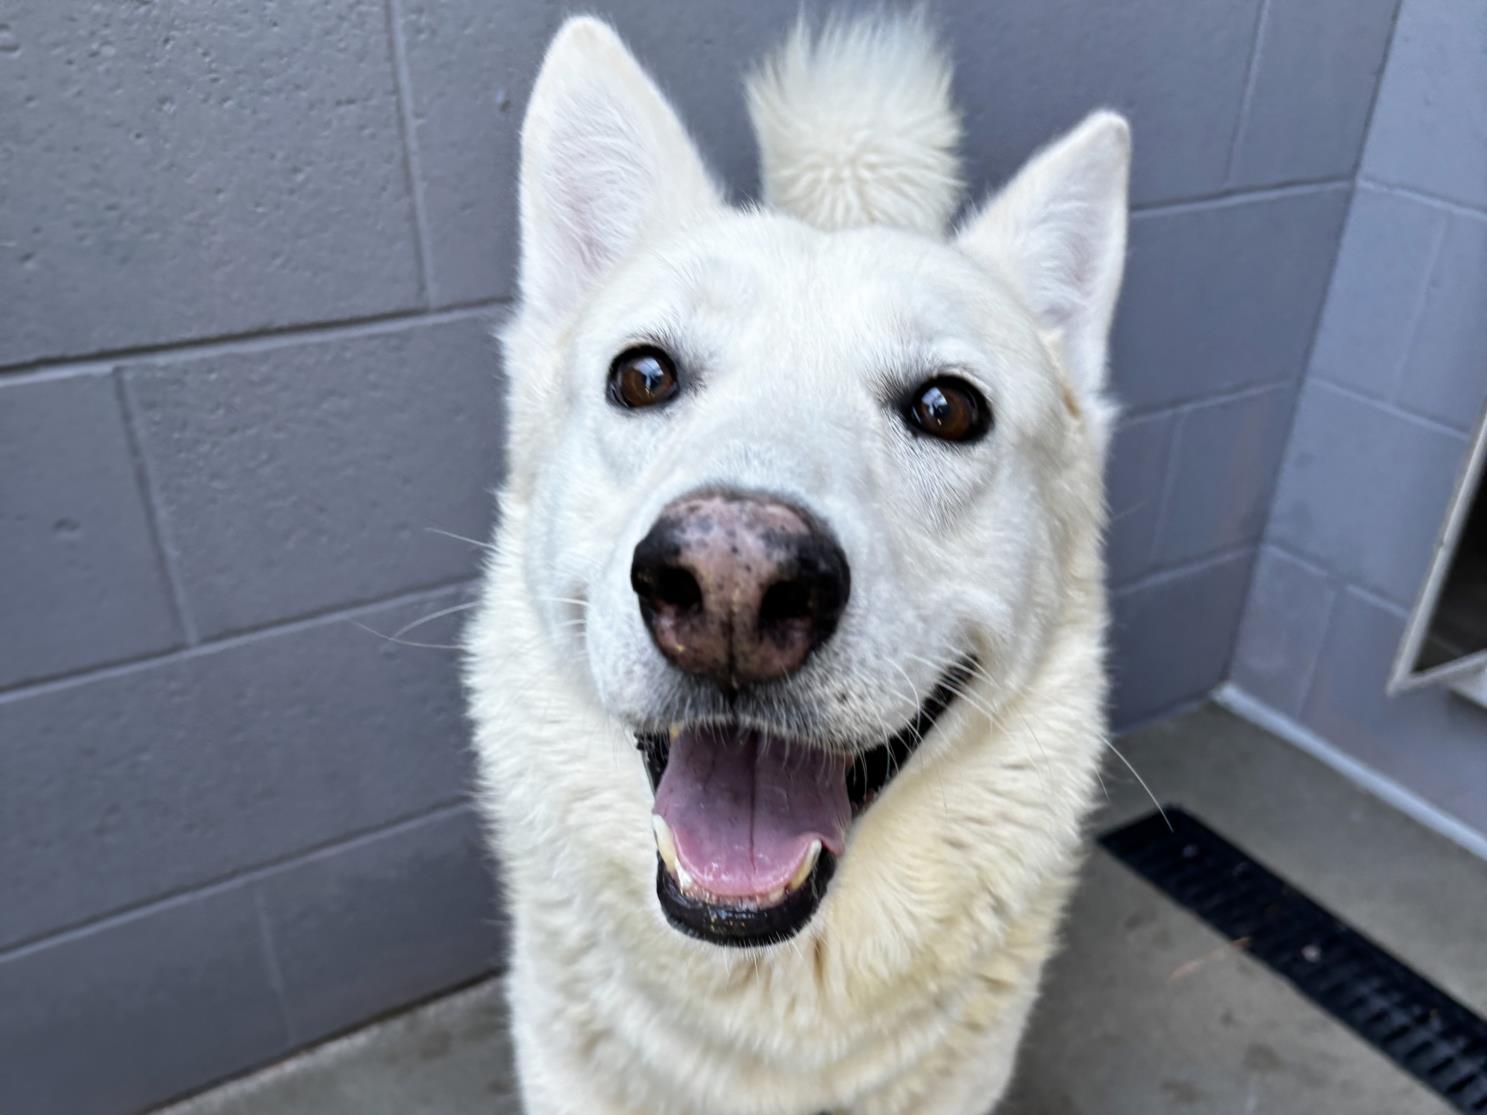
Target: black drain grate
1417,1025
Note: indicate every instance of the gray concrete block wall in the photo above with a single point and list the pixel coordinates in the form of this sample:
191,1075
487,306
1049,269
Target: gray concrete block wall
1396,379
248,257
1221,299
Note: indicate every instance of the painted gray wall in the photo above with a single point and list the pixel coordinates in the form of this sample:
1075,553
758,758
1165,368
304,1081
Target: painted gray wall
248,255
1395,382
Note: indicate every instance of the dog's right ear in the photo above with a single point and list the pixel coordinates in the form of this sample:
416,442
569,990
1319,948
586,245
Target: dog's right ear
1059,230
604,161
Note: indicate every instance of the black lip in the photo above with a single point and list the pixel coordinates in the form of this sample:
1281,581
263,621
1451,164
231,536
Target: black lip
746,927
874,769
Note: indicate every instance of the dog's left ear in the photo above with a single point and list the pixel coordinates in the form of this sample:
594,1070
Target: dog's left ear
604,162
1058,230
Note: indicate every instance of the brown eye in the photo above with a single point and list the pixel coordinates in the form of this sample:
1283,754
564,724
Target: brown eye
642,377
949,409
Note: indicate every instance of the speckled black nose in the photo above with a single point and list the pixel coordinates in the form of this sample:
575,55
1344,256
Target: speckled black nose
739,588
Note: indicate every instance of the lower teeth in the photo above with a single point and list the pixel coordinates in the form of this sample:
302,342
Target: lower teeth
666,848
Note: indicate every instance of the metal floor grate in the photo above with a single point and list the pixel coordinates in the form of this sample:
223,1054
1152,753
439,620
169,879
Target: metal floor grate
1417,1025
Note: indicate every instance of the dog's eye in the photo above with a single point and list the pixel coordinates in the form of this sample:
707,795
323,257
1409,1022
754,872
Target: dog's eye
949,409
642,377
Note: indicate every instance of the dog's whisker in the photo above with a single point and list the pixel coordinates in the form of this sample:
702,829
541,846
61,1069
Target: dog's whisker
440,614
462,538
394,639
1126,513
1043,771
577,602
914,689
1137,775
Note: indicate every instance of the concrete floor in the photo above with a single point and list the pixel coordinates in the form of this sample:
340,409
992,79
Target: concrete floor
1145,1012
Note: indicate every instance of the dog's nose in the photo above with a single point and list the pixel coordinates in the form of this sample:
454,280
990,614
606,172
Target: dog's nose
739,588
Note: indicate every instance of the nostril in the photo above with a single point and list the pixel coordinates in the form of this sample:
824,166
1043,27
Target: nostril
787,600
676,588
665,587
809,602
738,588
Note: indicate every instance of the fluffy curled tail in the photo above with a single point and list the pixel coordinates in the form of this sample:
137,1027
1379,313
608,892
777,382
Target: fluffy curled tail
856,125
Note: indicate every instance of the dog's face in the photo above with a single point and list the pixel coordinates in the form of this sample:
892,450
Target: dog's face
797,364
791,490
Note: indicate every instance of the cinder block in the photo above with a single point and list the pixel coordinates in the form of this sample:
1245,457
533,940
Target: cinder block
1316,66
1134,483
80,577
296,477
152,780
1028,69
471,67
1025,71
1377,289
179,170
1428,740
1223,471
1285,620
1429,127
1353,470
1171,638
1224,295
130,1013
1445,373
360,930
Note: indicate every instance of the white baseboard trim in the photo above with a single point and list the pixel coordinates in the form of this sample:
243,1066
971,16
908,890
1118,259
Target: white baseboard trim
1409,803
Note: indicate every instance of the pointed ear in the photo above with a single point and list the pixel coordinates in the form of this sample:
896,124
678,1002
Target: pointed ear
1058,229
603,160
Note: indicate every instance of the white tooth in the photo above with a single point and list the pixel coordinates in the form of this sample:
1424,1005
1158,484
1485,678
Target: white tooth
683,880
665,844
807,865
774,897
674,730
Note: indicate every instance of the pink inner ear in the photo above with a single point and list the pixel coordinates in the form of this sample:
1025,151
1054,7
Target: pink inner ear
603,155
598,179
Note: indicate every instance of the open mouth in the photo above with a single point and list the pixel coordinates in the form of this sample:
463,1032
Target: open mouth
749,826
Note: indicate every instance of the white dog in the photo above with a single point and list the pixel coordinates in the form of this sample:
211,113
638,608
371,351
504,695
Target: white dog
788,674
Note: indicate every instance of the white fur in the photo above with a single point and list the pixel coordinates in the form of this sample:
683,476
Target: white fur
856,126
605,162
1060,231
908,990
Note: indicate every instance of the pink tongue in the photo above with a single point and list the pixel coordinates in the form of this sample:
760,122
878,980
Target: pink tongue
743,811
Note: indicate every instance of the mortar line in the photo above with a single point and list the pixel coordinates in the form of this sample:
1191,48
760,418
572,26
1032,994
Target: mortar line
1424,197
1199,402
1302,376
1399,608
257,340
337,613
154,516
1314,667
1393,409
1417,312
403,86
1377,93
1183,569
271,965
1230,198
1246,98
243,876
1169,486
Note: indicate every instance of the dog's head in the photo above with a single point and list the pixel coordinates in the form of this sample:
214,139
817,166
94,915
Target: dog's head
792,491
